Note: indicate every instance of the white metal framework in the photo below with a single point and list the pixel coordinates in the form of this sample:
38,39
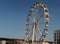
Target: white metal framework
37,22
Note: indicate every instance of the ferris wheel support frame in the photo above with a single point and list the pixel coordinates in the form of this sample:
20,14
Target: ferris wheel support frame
34,26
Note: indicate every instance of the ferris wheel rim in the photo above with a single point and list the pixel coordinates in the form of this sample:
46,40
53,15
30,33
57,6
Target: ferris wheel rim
46,14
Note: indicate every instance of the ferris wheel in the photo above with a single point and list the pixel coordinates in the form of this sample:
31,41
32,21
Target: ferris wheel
37,22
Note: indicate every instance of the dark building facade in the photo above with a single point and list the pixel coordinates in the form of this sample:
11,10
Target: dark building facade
57,37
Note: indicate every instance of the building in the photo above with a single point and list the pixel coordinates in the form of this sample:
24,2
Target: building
19,41
11,41
57,37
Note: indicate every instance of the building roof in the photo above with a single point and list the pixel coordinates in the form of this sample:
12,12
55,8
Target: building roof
11,39
56,30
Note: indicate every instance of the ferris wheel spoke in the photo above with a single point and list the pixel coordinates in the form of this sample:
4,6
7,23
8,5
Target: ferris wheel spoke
30,30
31,19
40,31
41,15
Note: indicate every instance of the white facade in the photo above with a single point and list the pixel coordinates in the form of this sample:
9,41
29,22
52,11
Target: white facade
45,43
3,42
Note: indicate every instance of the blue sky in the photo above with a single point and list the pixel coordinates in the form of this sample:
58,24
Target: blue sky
13,17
